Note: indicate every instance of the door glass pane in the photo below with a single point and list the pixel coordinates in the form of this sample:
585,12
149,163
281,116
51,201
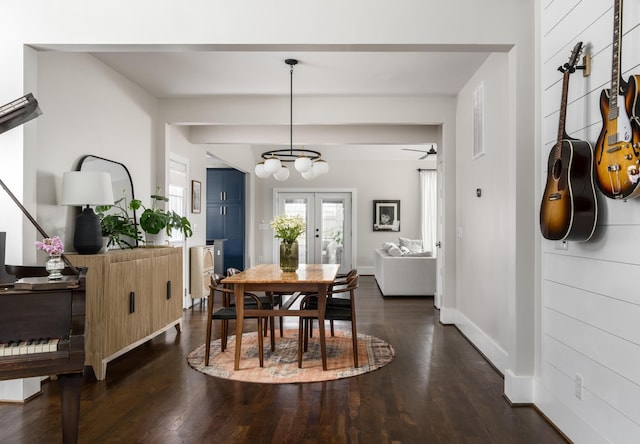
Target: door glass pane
299,207
332,231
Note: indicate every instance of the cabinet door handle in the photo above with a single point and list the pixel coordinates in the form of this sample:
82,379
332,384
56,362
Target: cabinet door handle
132,302
221,195
168,289
225,195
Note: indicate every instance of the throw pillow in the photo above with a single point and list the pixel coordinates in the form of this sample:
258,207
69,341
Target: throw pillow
387,245
414,245
394,251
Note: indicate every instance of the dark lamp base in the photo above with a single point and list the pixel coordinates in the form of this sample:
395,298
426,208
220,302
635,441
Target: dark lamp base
88,237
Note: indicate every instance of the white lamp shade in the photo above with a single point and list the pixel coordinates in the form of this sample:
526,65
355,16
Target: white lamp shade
282,174
260,172
81,188
309,174
271,165
320,167
302,164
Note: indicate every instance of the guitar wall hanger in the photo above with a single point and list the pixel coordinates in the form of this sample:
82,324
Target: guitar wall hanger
585,67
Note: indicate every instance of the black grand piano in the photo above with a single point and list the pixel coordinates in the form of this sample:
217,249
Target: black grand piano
41,321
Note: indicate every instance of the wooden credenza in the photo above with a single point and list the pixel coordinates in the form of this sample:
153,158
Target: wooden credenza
131,296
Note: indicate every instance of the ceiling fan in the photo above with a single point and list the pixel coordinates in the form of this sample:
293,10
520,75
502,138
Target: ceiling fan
432,150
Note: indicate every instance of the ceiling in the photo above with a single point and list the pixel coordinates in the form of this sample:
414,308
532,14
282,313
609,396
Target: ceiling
339,73
194,73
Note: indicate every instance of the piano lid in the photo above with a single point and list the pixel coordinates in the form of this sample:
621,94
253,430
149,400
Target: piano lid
18,112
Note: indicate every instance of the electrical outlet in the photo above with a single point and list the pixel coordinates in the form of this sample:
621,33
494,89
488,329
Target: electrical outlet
579,386
562,245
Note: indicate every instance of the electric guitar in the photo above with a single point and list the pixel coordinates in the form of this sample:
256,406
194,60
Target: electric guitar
617,152
569,205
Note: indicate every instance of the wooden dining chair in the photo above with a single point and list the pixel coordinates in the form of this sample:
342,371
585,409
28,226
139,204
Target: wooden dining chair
271,298
228,312
340,281
338,308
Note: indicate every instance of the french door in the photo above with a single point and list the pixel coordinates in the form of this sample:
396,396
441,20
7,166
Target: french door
327,239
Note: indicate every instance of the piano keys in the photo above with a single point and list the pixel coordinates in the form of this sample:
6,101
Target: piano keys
32,346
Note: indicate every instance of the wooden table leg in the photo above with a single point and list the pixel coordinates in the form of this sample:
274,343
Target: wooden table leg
322,304
239,296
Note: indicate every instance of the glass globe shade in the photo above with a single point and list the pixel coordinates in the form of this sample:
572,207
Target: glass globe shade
320,167
282,174
309,174
303,163
271,165
260,172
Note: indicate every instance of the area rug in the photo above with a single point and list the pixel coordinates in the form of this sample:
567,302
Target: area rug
281,366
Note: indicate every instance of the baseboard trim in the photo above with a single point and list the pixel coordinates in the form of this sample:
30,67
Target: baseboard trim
496,355
518,390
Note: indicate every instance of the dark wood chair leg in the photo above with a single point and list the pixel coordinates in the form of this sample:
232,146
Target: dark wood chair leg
272,333
224,331
354,333
308,329
207,352
301,335
260,343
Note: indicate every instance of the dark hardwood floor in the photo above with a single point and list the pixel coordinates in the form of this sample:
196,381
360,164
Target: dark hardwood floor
438,389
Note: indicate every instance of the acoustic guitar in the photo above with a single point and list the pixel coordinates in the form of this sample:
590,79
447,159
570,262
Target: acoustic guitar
569,205
617,152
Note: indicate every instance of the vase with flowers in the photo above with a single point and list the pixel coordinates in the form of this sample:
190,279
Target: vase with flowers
54,248
288,229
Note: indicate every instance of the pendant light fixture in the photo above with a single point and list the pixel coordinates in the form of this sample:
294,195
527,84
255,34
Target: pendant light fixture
306,162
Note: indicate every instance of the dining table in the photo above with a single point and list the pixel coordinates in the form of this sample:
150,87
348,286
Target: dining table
269,278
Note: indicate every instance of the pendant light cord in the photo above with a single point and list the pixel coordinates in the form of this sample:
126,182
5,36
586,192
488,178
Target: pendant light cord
291,110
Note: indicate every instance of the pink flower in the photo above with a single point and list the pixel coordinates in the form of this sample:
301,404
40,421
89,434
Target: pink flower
50,245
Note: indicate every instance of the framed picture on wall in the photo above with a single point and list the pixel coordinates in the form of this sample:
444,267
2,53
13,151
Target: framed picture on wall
196,196
386,215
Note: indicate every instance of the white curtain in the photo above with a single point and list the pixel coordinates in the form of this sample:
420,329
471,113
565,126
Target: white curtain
429,210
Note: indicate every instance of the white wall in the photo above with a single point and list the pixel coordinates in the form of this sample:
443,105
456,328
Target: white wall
590,307
481,222
87,109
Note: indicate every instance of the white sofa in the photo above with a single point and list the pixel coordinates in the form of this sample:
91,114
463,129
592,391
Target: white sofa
405,276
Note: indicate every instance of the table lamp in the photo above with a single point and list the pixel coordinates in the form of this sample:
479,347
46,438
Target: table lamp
85,188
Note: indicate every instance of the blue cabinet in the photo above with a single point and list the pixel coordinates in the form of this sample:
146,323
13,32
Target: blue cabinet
225,213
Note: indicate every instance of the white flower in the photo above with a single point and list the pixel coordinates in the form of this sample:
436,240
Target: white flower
288,228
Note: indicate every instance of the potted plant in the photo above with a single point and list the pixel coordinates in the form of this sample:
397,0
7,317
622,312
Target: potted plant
118,227
156,220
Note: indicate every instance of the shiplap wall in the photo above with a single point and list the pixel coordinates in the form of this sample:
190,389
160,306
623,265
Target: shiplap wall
590,314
